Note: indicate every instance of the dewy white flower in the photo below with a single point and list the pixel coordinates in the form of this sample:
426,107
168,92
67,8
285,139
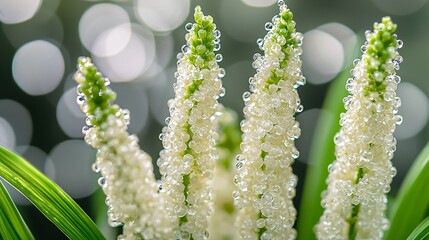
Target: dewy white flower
127,172
265,179
188,160
221,224
360,177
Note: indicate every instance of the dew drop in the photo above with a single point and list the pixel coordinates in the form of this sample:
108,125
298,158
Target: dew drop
398,59
398,119
216,34
217,47
85,129
88,120
221,72
356,62
79,90
185,48
189,26
246,96
400,43
269,26
219,57
95,168
397,79
299,109
167,120
102,182
206,235
161,136
222,92
260,42
239,165
80,100
106,82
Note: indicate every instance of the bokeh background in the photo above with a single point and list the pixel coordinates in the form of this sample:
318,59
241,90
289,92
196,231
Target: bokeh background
135,42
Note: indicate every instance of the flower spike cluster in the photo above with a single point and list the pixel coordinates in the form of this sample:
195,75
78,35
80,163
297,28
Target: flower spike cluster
127,172
360,177
188,160
264,174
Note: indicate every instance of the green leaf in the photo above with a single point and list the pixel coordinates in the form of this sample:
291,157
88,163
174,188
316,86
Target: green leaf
48,197
12,226
322,153
421,231
412,202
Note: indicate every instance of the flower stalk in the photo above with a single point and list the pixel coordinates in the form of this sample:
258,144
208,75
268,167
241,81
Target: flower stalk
188,160
127,176
360,177
265,179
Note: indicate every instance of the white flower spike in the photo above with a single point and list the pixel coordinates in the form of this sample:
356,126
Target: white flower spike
127,172
265,179
360,177
188,160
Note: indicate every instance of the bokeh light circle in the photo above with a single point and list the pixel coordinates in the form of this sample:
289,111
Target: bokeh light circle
133,60
38,67
162,16
135,99
105,29
323,56
72,160
399,7
19,119
346,36
159,93
69,116
7,139
414,109
16,11
242,22
259,3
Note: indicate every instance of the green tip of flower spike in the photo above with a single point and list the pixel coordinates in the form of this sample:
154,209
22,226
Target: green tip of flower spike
94,96
283,27
201,40
380,48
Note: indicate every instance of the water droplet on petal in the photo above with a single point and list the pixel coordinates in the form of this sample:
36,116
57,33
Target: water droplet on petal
246,96
189,27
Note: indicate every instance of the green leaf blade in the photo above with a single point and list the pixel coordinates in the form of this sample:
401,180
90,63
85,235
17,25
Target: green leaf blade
48,197
12,226
412,202
421,231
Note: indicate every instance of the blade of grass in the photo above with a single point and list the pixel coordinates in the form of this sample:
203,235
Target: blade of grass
12,226
421,231
321,155
48,197
412,201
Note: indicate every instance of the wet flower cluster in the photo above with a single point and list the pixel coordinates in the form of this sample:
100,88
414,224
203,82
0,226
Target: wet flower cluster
188,160
127,172
359,179
264,178
180,205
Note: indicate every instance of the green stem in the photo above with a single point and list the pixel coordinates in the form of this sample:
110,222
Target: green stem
355,208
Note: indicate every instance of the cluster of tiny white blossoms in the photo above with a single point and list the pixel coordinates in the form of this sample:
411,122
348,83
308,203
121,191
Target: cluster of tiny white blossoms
127,172
188,160
359,179
264,177
221,224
